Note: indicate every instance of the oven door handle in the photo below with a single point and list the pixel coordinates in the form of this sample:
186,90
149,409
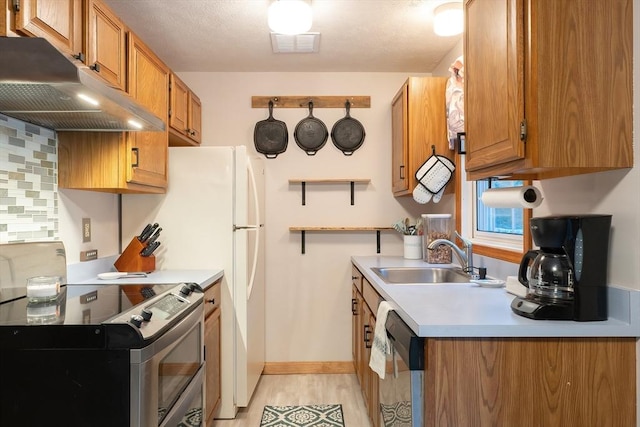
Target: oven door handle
179,409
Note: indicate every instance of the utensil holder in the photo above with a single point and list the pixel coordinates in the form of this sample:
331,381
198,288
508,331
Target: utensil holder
131,261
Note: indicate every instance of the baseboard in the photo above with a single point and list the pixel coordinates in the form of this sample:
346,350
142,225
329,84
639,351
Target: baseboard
284,368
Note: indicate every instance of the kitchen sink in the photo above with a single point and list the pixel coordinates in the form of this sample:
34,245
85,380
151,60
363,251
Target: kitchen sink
421,275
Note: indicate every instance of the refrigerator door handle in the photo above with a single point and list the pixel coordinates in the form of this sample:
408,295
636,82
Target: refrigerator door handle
256,245
245,227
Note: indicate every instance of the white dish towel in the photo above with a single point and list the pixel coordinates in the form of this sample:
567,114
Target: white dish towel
381,345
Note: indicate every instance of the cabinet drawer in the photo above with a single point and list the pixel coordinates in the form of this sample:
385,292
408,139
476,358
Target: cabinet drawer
211,298
371,296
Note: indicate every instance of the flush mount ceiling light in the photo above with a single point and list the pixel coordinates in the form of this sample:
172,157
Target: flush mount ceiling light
290,17
448,19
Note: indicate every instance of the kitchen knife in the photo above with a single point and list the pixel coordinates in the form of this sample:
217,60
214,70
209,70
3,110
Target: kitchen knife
144,231
149,249
143,237
154,237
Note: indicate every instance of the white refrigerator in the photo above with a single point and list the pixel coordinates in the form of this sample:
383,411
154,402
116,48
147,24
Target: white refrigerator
212,216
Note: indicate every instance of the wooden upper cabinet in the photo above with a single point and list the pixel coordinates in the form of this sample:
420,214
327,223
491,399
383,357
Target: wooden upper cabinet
418,122
148,83
105,44
399,138
548,87
58,21
195,118
185,123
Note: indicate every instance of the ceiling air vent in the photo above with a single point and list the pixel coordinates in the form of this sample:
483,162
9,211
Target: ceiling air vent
299,43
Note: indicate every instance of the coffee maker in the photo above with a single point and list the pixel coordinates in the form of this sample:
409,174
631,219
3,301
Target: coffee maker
567,277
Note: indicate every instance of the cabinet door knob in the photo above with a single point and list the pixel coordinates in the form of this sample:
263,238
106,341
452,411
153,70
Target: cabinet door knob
354,306
95,67
211,301
79,56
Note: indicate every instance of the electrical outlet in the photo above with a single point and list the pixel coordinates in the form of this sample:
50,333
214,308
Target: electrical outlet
89,255
86,230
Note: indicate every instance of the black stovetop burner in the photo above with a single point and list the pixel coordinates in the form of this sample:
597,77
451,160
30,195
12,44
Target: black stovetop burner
113,313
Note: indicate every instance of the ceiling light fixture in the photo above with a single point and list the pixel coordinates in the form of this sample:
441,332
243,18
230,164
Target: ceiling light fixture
448,19
290,17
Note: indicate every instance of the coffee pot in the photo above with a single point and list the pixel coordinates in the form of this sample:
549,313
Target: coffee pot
566,278
550,276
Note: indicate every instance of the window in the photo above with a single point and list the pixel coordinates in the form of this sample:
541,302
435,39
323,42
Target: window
497,220
499,233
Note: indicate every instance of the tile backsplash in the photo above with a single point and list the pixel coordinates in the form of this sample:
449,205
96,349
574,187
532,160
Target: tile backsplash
28,182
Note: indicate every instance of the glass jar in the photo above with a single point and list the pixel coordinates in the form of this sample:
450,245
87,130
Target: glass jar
436,226
43,288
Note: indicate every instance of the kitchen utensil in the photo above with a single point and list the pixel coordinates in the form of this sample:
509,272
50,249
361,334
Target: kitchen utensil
154,237
144,231
149,249
119,275
399,226
311,133
147,232
271,136
347,133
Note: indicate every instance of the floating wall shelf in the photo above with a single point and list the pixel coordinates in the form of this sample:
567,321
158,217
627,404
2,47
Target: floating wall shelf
303,101
303,230
352,182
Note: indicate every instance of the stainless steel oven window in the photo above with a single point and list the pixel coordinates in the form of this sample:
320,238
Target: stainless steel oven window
166,376
177,369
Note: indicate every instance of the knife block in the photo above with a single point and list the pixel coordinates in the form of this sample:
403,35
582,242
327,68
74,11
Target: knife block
131,261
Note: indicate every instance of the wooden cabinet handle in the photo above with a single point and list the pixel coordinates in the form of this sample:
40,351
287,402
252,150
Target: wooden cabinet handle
354,306
402,172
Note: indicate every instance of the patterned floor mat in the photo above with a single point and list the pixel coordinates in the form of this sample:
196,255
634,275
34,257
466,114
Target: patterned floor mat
302,416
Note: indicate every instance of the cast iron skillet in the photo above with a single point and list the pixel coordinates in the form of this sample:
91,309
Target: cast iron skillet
271,136
311,134
347,133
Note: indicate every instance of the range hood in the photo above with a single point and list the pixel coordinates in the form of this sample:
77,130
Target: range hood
38,84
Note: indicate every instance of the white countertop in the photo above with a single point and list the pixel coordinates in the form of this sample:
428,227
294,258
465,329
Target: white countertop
468,310
86,273
204,278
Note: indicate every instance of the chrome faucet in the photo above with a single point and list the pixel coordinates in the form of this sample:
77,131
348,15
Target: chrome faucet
465,257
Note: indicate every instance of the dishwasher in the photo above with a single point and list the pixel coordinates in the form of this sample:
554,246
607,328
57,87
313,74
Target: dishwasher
401,392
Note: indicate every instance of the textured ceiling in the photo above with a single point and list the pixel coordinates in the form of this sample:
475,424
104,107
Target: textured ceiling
232,35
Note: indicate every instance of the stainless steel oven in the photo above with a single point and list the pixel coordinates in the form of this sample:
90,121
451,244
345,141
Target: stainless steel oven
167,376
109,355
401,392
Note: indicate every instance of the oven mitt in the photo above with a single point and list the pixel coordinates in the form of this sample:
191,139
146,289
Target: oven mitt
433,176
421,194
435,173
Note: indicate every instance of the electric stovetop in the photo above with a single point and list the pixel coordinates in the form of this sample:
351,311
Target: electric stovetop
95,315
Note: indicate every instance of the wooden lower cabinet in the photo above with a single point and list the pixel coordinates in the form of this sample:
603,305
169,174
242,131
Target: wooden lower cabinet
212,351
363,326
536,382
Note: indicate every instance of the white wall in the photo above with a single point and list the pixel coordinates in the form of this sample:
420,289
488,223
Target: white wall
308,296
102,209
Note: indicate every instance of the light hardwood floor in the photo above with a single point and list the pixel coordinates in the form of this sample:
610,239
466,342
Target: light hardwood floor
305,389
